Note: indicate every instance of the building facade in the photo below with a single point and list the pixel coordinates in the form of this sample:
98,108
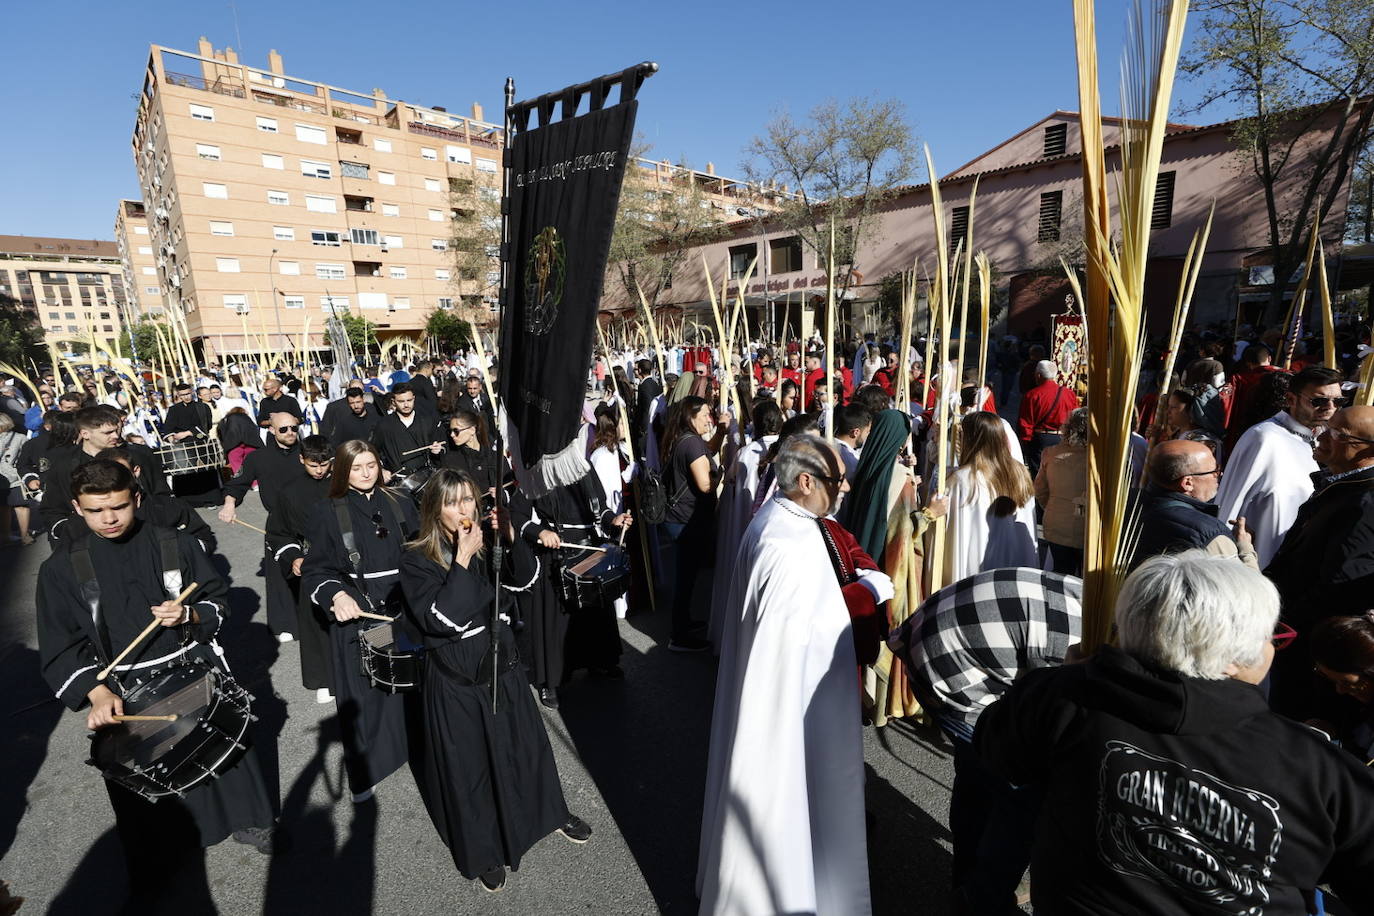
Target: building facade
140,269
73,286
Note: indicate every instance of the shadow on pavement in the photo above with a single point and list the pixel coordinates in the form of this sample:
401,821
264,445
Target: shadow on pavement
31,713
908,868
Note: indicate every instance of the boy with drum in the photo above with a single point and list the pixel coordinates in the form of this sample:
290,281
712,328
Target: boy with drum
98,594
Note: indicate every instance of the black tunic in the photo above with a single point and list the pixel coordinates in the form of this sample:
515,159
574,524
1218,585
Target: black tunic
286,542
340,424
130,575
57,481
373,723
489,782
282,403
478,463
393,439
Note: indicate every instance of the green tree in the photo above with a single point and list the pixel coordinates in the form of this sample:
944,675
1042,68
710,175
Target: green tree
362,335
21,336
448,331
1294,68
141,339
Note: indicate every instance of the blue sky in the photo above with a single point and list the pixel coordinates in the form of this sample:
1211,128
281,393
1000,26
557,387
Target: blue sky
971,72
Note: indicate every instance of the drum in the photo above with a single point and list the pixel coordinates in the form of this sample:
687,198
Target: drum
598,579
157,759
389,667
411,484
189,456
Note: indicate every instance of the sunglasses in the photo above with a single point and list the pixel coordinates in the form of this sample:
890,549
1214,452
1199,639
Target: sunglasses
1341,435
455,430
382,530
1283,636
828,479
1321,403
287,429
1214,472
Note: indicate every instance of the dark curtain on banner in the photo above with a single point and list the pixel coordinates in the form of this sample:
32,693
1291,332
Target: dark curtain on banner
564,189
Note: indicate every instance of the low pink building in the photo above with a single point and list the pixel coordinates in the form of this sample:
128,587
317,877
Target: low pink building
1028,213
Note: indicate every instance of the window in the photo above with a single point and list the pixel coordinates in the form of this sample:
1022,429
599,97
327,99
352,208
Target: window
312,169
145,249
71,316
283,233
236,301
431,184
227,265
272,161
741,256
353,169
357,203
436,216
294,302
309,134
1162,217
486,165
206,151
427,153
218,227
380,145
329,271
320,203
445,302
202,112
439,244
267,124
1056,139
459,154
393,241
334,304
289,268
386,177
785,255
150,271
140,230
324,237
151,290
280,198
390,210
1051,208
958,227
488,193
364,236
440,273
210,189
397,273
400,302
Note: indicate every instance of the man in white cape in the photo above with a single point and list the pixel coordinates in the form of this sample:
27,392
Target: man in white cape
1268,476
783,825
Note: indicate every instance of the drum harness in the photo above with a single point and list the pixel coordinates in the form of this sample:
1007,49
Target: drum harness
350,540
90,593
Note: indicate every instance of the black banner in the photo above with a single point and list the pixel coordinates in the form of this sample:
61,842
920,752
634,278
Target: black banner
564,188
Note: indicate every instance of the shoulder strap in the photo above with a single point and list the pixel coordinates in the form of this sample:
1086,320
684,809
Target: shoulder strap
346,532
90,594
1053,406
171,560
396,514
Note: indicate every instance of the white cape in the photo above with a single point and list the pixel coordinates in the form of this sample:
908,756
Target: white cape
1267,479
783,825
736,510
978,540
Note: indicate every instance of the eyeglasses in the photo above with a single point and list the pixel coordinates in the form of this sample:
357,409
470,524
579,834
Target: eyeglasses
828,479
1322,403
455,430
1214,472
1283,636
1341,435
287,429
382,530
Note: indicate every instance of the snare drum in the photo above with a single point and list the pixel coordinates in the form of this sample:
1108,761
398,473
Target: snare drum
598,579
411,484
385,665
157,759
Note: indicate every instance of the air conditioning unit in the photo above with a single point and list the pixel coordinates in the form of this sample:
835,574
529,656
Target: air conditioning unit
241,310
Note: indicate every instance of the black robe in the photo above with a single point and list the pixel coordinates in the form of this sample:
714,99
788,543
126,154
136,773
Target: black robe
57,479
393,439
73,647
373,723
286,543
489,782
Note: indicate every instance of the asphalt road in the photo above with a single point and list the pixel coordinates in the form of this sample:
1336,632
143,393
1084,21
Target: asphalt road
631,755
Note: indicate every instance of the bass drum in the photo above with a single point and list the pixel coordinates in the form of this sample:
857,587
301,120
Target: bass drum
208,736
411,484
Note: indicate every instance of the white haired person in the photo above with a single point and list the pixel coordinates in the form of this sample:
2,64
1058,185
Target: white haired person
1169,785
1044,409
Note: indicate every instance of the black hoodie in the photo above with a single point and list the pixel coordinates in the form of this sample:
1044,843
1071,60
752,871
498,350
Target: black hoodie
1168,795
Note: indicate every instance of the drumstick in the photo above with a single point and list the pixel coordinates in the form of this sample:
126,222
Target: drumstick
147,631
248,526
169,718
584,547
371,616
423,448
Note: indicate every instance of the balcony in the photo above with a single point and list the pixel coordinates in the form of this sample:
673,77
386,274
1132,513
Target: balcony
358,204
287,101
345,135
346,114
223,85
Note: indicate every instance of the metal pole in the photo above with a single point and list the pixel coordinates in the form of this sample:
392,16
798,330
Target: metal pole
272,279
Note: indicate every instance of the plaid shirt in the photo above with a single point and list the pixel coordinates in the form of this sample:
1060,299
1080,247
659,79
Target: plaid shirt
970,640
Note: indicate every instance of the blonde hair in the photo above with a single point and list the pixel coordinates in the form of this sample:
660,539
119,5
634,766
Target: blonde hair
983,449
6,423
443,489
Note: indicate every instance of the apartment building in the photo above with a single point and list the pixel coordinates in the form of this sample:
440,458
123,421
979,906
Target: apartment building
73,286
276,202
136,253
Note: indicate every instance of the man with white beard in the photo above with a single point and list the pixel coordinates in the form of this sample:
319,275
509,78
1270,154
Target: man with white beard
783,826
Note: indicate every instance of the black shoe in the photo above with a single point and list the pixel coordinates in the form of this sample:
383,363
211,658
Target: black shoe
576,830
265,840
614,672
493,879
689,644
549,697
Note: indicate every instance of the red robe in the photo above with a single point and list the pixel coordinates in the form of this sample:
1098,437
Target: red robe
1043,408
868,621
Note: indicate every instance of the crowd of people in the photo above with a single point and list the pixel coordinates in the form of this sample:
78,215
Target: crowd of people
856,550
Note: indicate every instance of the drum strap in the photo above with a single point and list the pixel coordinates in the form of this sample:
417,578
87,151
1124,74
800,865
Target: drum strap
350,540
86,579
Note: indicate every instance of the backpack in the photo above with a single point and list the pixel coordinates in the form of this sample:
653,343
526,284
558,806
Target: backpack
653,495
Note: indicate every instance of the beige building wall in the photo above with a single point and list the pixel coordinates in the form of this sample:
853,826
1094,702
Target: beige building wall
274,201
73,286
136,252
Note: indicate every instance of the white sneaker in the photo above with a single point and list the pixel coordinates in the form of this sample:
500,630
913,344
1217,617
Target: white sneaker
286,637
364,796
322,696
